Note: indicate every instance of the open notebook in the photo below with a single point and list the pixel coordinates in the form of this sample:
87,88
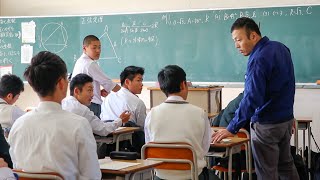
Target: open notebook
107,163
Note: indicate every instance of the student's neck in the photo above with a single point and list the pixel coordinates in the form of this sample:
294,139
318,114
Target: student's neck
50,98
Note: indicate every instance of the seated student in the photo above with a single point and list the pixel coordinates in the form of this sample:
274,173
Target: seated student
5,172
10,88
226,115
81,91
49,138
4,149
176,120
126,99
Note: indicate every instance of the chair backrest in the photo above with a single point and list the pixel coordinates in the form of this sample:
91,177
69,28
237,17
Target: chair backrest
23,175
175,156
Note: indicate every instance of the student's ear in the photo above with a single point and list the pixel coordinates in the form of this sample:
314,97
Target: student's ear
9,96
127,82
183,85
76,91
84,48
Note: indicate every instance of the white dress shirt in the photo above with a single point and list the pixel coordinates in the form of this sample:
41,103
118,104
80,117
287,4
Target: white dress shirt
171,122
99,127
90,67
51,139
117,102
9,114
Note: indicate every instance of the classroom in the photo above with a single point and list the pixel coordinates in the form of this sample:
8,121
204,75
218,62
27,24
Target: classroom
307,96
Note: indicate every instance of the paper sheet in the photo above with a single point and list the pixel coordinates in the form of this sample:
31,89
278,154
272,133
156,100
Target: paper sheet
26,53
5,70
28,32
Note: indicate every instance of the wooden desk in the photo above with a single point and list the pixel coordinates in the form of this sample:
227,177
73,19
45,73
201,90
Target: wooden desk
130,172
303,123
234,143
208,99
117,136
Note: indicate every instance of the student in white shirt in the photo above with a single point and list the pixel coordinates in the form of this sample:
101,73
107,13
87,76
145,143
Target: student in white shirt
126,99
10,88
87,64
176,120
81,91
5,172
49,138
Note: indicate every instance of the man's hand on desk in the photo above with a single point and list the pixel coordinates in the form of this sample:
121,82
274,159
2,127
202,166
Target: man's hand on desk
125,116
217,136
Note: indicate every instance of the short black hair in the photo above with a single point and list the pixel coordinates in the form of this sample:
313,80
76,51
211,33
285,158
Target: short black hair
79,81
170,78
248,24
130,72
44,72
88,39
10,83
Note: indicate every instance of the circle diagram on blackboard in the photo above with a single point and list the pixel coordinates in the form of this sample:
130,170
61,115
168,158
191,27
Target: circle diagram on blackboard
54,37
107,46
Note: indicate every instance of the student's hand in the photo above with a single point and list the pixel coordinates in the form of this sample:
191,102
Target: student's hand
3,163
104,93
125,116
217,136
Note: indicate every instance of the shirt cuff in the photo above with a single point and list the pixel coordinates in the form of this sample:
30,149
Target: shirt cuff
118,122
231,129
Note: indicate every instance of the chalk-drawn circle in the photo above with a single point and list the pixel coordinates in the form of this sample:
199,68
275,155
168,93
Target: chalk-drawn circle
54,37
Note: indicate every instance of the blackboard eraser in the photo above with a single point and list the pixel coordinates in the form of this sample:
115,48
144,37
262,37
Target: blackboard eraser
318,82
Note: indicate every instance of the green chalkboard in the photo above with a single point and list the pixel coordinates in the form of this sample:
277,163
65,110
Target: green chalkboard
199,41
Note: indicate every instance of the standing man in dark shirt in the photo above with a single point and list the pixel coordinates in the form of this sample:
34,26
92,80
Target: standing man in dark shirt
268,101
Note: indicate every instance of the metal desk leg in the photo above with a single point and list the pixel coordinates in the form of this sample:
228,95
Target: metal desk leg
309,149
230,164
303,142
296,136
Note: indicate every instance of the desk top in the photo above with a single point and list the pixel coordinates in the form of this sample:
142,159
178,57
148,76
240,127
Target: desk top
125,130
195,88
233,142
212,115
144,164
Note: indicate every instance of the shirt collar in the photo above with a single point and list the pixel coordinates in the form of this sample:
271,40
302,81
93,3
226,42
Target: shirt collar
49,105
2,101
175,98
261,42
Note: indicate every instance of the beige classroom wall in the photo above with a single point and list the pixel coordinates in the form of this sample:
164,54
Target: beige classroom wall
307,101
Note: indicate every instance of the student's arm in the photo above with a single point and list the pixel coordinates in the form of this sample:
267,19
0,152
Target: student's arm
88,164
16,113
146,128
98,126
140,114
98,75
207,133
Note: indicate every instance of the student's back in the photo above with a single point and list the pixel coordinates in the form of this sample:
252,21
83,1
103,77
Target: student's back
51,139
170,122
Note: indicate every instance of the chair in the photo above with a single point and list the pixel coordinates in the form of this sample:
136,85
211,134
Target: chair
242,134
176,156
23,175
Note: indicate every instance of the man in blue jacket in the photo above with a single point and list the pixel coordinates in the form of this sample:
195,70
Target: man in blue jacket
267,102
